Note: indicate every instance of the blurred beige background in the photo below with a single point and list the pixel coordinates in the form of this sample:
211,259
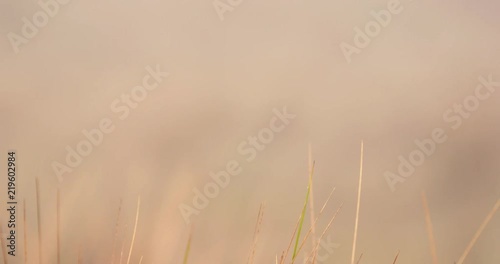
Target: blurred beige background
225,79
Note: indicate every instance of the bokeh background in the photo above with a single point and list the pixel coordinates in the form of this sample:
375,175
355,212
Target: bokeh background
226,77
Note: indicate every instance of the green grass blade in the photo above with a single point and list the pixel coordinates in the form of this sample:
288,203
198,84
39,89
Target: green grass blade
188,247
302,216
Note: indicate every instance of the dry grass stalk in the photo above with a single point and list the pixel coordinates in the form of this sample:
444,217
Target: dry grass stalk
359,260
39,221
256,233
314,252
315,220
430,231
396,258
357,207
121,252
25,233
479,231
285,254
58,227
115,237
135,229
311,196
188,245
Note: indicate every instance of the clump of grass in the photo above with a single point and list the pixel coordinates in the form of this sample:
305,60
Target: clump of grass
296,236
315,220
315,250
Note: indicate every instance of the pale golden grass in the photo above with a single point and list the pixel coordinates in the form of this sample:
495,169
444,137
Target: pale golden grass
353,256
285,253
188,246
25,235
121,252
359,259
479,231
58,228
311,195
38,221
256,233
135,229
311,256
430,230
115,236
315,220
315,250
396,258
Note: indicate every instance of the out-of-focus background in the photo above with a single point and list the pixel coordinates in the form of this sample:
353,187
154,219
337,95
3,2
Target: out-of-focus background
227,72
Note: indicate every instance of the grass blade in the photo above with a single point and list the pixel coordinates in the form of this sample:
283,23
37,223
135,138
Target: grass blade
479,231
396,258
135,229
430,232
285,254
58,227
311,197
113,255
357,207
188,246
315,221
39,221
256,233
25,233
302,216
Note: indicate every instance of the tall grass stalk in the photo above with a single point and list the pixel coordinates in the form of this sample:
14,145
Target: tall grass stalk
430,230
39,221
135,229
188,246
353,256
479,231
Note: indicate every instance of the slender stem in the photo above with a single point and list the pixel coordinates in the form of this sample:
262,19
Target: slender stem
39,222
357,207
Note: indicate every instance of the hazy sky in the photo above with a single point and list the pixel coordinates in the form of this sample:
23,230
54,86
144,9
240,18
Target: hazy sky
227,72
